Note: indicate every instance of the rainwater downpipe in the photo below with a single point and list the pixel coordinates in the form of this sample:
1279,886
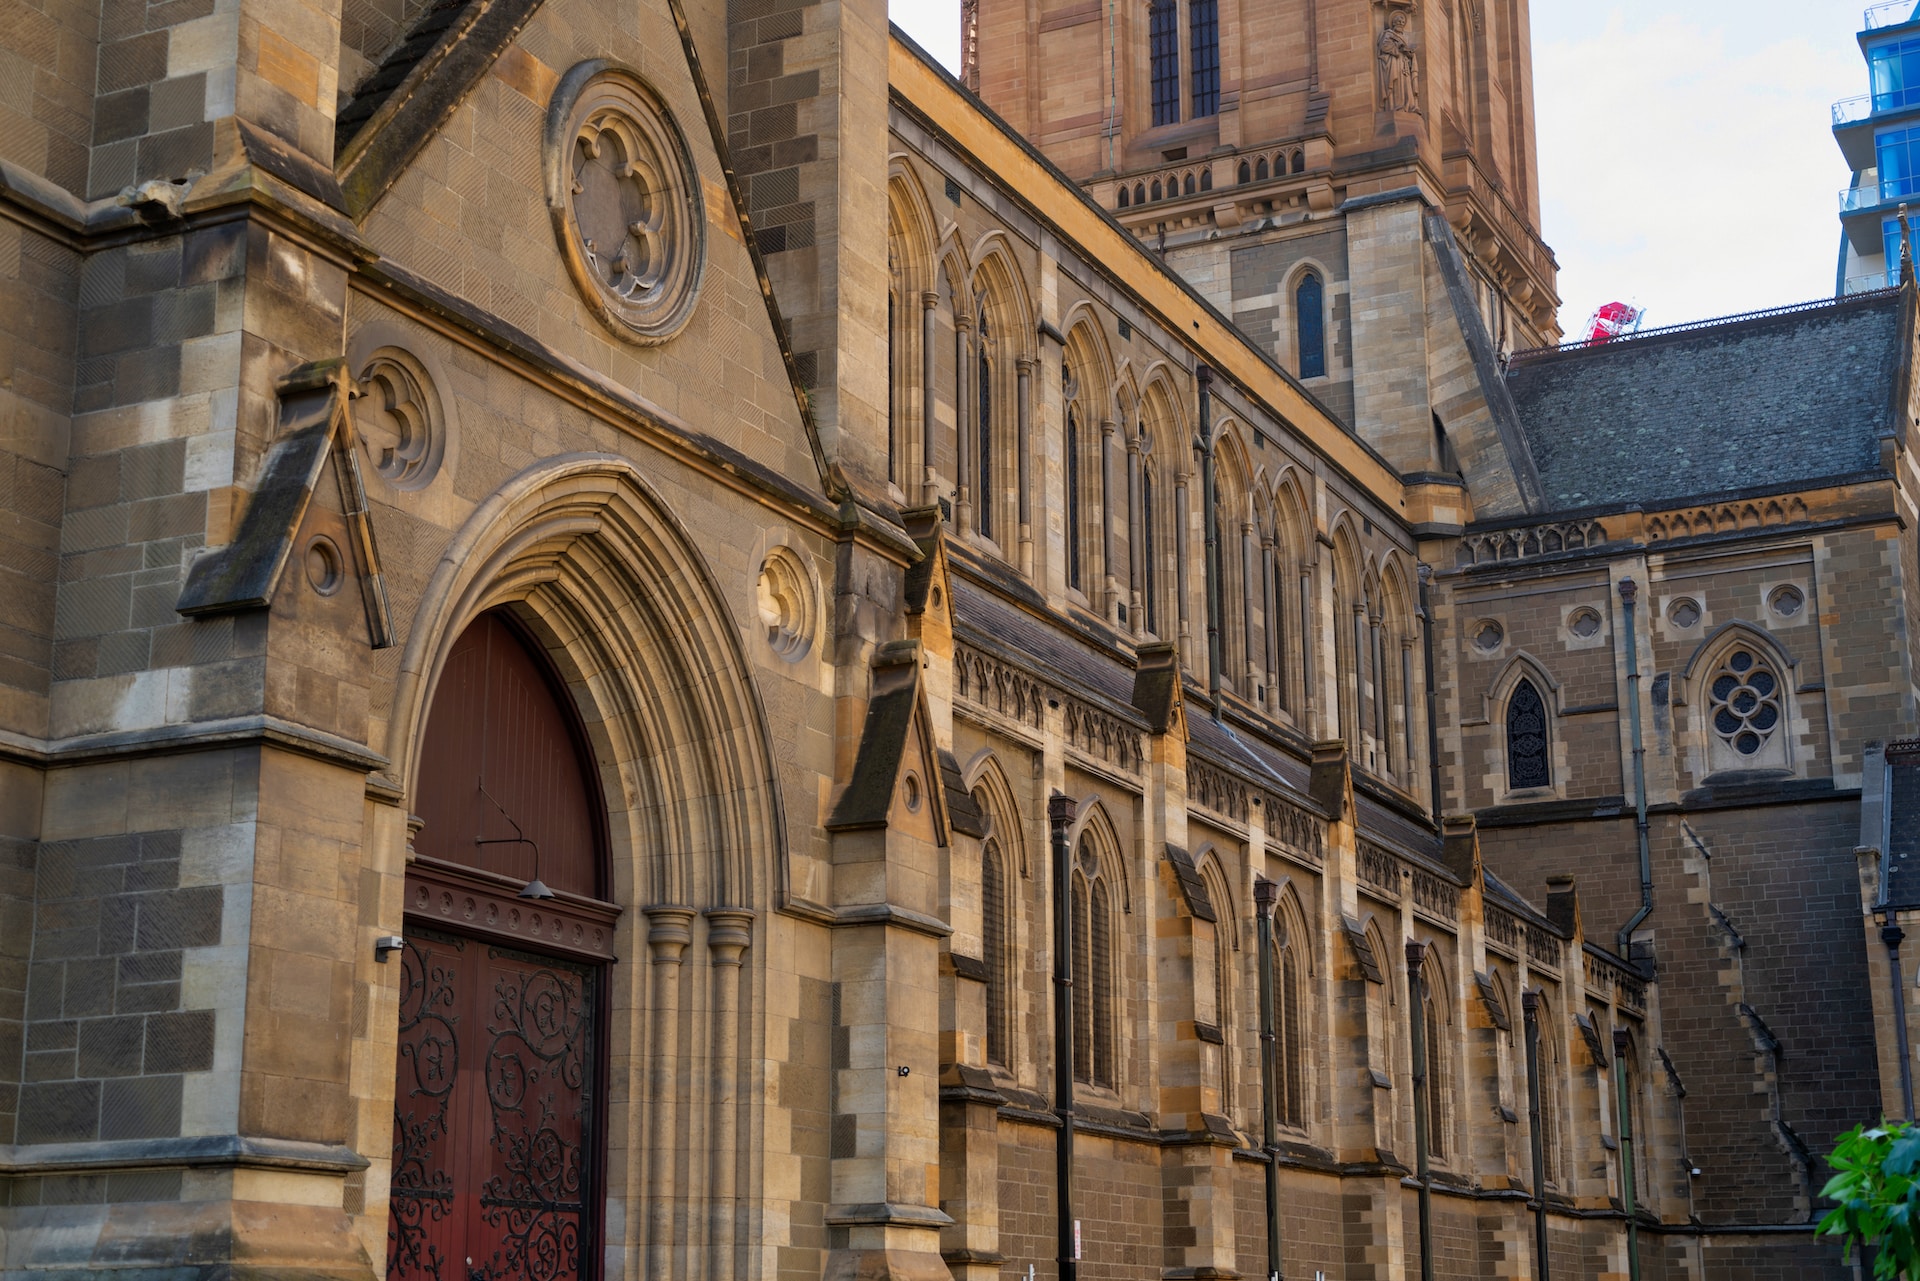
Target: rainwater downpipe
1629,592
1892,935
1423,1171
1266,894
1530,1004
1211,519
1061,811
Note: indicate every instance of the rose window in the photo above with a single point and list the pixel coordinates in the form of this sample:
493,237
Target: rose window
626,201
1745,703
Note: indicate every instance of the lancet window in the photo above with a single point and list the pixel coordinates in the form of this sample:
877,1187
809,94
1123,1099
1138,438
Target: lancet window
1528,761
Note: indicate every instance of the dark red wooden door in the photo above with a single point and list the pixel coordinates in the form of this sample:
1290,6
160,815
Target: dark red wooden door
493,1114
506,785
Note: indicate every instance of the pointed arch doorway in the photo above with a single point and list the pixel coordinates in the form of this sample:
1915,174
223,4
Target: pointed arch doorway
500,1085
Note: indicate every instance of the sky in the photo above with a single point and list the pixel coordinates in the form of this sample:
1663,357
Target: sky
1687,162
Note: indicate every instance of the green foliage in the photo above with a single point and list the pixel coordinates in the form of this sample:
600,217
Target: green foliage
1876,1184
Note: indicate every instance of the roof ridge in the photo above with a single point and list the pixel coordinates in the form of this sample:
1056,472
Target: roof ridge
1528,354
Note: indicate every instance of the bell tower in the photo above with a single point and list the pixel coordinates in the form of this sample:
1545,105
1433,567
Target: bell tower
1283,156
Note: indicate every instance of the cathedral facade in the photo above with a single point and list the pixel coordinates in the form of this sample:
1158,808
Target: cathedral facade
655,640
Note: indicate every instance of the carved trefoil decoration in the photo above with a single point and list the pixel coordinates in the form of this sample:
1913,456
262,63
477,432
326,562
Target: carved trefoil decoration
398,417
625,201
1397,72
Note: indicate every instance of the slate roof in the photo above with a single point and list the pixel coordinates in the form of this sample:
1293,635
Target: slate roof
1903,827
1051,652
395,67
1751,401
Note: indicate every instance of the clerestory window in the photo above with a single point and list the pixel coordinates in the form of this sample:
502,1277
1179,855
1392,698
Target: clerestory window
1744,709
1203,28
1528,764
1163,39
1310,332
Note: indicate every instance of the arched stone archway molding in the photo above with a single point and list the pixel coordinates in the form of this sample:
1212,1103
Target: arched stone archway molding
641,632
1786,750
1723,636
595,563
1092,818
1521,663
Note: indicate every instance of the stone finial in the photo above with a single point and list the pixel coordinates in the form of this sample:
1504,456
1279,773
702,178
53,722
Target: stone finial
1331,783
1461,846
1563,906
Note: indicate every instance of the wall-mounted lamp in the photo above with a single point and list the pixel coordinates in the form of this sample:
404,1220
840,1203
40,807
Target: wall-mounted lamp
386,945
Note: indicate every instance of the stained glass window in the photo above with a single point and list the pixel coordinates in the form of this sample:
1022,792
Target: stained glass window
1527,764
1309,299
1745,702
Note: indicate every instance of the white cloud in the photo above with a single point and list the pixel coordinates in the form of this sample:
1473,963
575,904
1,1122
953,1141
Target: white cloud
934,25
1686,159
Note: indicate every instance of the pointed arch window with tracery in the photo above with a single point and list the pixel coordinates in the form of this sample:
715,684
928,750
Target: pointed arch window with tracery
1092,908
1745,705
1439,1083
995,927
983,399
1528,761
1289,995
1310,330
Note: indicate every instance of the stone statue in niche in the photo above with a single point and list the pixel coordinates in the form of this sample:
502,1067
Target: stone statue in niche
1393,55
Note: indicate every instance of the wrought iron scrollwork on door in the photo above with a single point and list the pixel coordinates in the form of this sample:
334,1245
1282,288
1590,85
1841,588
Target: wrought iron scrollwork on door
493,1163
538,1062
422,1186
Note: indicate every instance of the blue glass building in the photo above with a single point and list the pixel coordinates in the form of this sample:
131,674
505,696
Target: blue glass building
1879,134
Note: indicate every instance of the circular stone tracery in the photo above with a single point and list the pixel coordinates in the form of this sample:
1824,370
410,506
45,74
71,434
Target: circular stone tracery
625,201
397,415
1746,702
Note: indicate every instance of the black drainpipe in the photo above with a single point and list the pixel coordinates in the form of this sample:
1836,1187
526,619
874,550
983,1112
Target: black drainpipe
1266,894
1530,1003
1892,935
1629,591
1060,813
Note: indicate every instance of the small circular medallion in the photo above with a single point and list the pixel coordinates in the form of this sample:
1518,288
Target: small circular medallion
1584,623
1487,636
625,200
1684,613
1786,601
324,567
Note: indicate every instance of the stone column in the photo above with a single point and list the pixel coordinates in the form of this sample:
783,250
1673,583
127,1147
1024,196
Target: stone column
1269,591
729,931
667,937
929,398
965,386
1025,433
1110,606
1136,539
